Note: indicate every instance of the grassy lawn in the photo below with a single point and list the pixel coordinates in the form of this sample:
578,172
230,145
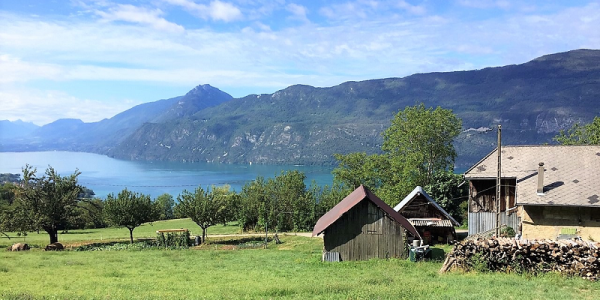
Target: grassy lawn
223,270
144,231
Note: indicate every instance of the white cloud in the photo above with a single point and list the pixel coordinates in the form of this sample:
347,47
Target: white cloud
133,14
503,4
15,70
45,106
413,9
360,43
215,10
298,11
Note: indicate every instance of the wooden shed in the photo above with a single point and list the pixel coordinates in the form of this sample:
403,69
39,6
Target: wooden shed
362,227
432,222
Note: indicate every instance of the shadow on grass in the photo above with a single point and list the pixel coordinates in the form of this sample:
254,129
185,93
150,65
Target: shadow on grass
237,241
77,232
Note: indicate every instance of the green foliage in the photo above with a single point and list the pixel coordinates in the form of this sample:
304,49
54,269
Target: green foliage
173,240
48,202
165,204
507,232
88,214
119,246
205,208
417,146
252,197
287,206
129,210
10,178
588,134
282,203
86,193
228,203
326,197
444,188
359,168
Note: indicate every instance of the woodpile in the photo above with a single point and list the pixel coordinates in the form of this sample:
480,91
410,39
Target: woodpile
569,257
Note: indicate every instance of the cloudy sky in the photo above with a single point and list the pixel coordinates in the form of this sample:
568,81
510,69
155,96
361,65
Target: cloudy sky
90,59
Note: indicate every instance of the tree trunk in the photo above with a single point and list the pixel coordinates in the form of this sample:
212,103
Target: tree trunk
130,234
53,233
203,235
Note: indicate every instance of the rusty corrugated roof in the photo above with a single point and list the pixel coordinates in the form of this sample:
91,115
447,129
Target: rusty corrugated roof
358,195
571,177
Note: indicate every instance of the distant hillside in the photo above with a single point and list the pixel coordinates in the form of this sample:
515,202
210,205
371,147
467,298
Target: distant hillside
306,125
16,129
99,137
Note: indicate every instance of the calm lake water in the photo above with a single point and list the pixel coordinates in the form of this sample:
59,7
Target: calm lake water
107,175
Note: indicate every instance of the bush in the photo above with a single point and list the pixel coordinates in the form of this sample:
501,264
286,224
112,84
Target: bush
179,239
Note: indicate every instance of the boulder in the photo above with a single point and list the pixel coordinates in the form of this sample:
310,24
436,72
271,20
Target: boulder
55,247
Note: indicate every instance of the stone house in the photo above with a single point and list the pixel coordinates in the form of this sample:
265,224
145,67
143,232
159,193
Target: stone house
547,192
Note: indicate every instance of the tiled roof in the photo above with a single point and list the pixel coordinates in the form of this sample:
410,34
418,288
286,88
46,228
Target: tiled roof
420,191
359,194
571,176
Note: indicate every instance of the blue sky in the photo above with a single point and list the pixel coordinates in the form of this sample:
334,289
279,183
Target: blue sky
91,59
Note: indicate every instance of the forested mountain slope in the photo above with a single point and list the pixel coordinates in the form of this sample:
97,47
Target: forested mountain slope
306,125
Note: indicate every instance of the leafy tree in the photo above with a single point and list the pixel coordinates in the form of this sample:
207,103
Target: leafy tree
129,210
326,197
7,197
88,214
359,168
164,205
447,191
202,207
287,206
228,202
588,134
417,145
47,202
252,197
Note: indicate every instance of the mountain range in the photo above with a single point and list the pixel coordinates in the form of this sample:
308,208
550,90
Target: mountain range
306,125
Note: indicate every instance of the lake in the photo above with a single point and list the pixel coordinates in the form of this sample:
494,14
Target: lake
106,175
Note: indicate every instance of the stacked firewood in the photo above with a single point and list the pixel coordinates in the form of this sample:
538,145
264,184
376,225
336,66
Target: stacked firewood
570,257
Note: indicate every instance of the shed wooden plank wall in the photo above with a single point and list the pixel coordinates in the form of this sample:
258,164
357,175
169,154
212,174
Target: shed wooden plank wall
365,232
421,208
482,195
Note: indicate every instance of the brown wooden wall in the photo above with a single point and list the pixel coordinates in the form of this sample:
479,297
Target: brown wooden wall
482,195
421,208
365,232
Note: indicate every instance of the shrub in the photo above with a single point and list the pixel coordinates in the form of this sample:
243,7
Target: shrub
179,239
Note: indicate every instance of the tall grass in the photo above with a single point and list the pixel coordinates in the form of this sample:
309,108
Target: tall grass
291,270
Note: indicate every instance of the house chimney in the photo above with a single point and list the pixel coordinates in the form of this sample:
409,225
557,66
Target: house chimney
540,186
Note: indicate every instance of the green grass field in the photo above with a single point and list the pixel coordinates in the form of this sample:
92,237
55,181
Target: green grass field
222,270
145,231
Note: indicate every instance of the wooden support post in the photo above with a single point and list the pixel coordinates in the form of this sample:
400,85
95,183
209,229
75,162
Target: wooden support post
498,181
